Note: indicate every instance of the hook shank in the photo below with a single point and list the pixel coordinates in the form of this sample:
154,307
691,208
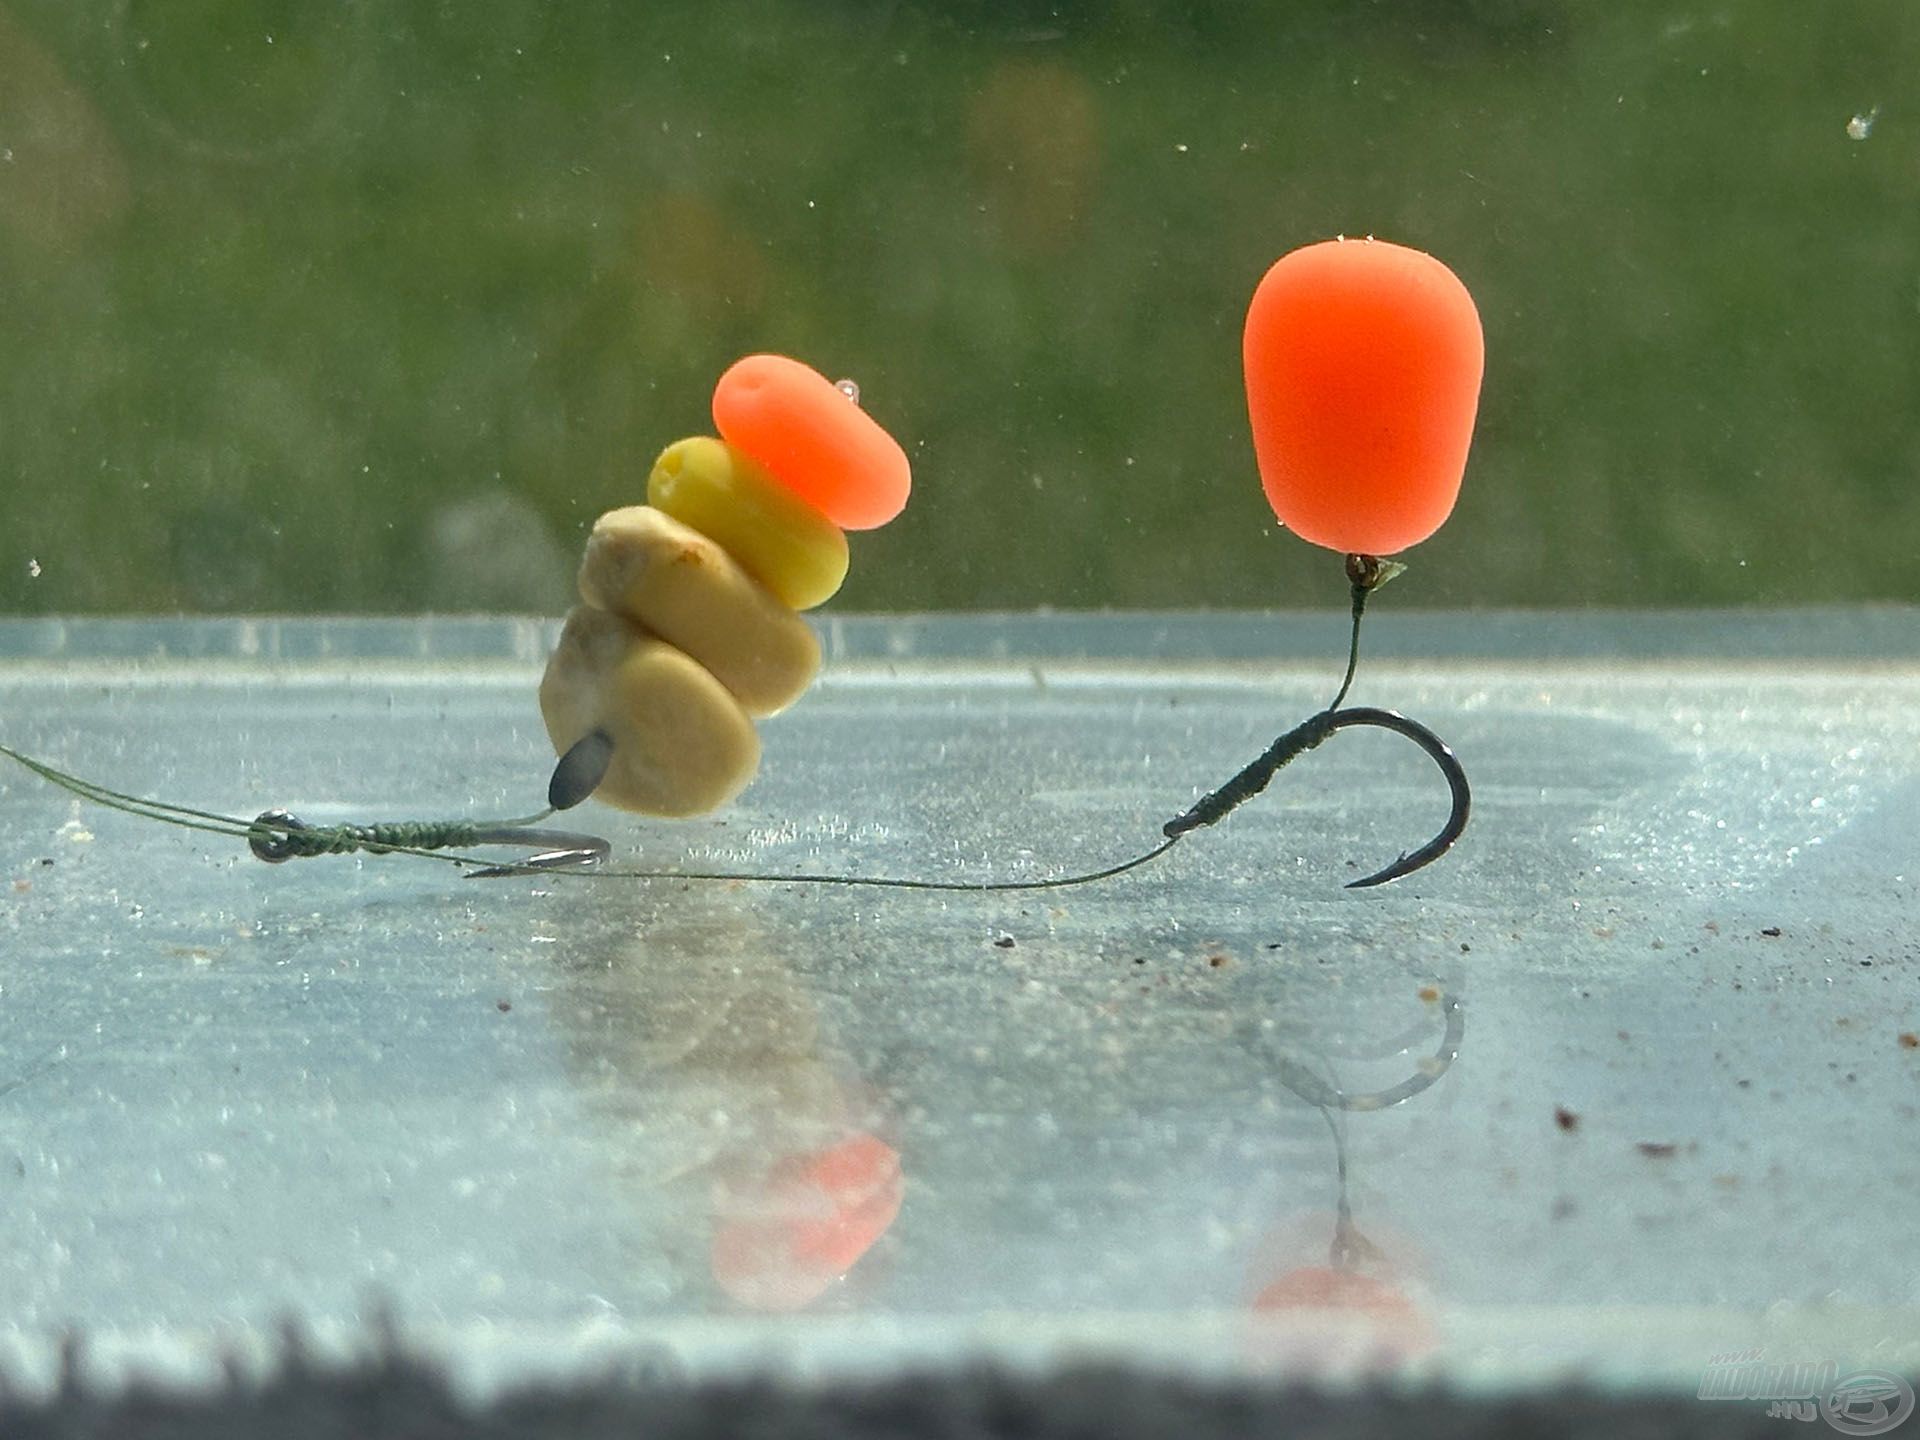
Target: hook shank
277,836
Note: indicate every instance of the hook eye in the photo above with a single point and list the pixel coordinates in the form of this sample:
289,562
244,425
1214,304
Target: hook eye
271,836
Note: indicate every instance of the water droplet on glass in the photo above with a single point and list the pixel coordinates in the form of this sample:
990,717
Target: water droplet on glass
848,388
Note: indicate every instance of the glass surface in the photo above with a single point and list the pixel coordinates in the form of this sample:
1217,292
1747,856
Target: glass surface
1574,1069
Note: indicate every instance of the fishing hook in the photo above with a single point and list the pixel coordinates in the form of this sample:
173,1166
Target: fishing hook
276,836
1314,731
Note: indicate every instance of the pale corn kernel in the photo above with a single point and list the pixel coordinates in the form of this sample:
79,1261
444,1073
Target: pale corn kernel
682,745
670,579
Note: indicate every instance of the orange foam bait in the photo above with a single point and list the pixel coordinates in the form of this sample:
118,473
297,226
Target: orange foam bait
1363,364
806,432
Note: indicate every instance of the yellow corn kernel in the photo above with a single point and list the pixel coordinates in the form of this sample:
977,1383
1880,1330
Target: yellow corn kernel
780,540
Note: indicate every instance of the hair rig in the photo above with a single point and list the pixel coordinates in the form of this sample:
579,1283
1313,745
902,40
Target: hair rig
1363,366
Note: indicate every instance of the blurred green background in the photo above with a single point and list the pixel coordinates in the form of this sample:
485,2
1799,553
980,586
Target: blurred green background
333,305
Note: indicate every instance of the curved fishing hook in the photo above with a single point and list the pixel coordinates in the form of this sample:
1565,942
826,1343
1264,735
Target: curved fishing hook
1314,731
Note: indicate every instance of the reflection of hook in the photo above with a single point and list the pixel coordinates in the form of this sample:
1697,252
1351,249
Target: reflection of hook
1311,732
1328,1096
1360,1278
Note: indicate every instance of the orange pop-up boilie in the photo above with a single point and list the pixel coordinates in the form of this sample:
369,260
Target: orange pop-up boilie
1363,374
1363,368
801,428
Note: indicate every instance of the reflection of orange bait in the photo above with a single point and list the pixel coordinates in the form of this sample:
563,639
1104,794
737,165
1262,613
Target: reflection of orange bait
1360,1305
1322,1287
687,630
1384,1314
779,1244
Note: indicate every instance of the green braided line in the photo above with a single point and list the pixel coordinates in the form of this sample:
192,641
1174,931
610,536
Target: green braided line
381,838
